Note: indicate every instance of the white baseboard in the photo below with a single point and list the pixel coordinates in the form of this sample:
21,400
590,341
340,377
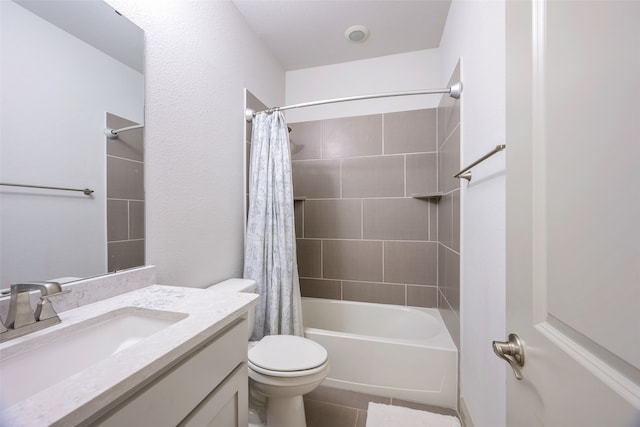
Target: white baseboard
465,416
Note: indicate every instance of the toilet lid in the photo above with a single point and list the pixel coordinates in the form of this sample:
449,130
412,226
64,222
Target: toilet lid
287,353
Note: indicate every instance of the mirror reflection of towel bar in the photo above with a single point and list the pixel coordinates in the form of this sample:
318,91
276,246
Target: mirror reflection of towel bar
466,172
113,133
86,191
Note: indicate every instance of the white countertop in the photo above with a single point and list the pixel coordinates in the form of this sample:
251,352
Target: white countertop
80,396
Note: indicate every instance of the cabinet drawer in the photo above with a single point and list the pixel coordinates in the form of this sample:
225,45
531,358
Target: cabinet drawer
171,397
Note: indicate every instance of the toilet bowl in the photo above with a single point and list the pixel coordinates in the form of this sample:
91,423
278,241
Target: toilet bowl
282,368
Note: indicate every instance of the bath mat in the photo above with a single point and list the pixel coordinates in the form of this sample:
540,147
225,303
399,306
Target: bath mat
380,415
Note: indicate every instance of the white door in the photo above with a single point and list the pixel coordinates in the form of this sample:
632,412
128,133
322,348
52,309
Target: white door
573,211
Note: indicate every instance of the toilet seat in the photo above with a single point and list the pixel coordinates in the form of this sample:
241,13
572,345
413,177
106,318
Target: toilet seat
287,356
287,374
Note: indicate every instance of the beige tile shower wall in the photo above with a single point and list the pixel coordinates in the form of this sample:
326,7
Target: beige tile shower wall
125,196
361,236
449,211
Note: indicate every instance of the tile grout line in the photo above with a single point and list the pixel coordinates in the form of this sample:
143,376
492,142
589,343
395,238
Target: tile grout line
363,198
438,187
124,200
367,281
124,241
362,219
438,149
449,248
369,240
124,158
363,156
405,175
406,297
448,138
340,179
382,135
429,224
321,139
383,245
322,259
128,219
324,402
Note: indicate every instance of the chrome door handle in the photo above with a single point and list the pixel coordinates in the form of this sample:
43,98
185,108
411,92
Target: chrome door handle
512,351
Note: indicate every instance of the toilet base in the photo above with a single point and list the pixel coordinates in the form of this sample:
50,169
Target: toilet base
286,412
255,419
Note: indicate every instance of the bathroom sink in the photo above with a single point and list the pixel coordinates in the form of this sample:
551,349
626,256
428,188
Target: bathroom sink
36,364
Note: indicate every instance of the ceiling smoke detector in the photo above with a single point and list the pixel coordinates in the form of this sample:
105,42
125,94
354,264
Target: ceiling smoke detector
357,33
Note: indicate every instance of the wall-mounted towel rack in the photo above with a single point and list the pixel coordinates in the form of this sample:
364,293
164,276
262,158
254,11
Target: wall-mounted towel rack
466,172
86,191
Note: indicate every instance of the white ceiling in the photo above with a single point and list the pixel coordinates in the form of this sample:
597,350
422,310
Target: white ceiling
310,33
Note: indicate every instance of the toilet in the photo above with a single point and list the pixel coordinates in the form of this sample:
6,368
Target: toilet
282,368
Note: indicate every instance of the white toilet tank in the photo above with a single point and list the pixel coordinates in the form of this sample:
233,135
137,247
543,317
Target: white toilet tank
238,285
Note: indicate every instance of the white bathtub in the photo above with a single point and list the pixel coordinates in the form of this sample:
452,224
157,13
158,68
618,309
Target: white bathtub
385,350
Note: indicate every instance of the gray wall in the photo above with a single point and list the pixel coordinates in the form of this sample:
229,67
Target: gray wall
361,236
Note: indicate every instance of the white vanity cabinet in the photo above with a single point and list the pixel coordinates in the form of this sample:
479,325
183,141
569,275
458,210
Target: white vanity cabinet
207,387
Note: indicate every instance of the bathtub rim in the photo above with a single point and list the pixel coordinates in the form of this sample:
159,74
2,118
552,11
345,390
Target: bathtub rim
441,341
359,337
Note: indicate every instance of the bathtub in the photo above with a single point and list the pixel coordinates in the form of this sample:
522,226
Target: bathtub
385,350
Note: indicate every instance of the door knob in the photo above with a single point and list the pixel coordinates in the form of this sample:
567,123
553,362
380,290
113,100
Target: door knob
512,351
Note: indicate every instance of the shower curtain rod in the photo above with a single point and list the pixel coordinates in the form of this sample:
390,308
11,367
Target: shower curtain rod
113,133
454,91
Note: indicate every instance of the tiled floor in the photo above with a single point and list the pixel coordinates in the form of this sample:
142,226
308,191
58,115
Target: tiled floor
330,407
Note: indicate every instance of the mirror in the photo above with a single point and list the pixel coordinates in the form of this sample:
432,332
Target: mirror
69,70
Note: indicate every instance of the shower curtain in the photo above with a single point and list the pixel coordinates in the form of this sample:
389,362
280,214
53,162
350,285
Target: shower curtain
270,248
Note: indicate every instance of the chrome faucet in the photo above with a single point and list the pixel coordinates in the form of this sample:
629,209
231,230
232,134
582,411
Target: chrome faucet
21,319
